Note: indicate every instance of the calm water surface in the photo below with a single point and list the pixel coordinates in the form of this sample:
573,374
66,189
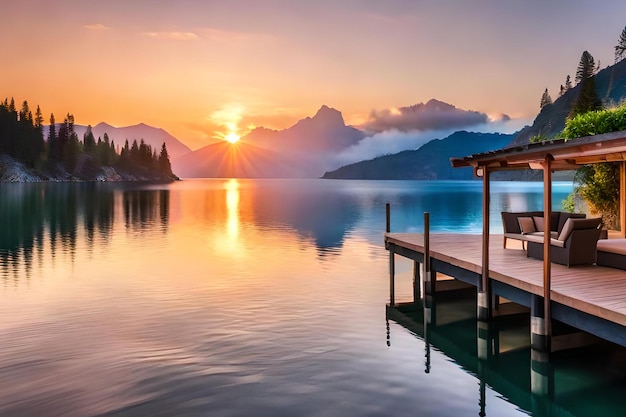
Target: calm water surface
251,297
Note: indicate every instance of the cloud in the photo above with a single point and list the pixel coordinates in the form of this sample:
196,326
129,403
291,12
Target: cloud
96,26
394,140
433,115
179,36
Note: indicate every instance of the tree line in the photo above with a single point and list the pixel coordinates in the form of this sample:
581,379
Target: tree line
22,137
598,184
587,99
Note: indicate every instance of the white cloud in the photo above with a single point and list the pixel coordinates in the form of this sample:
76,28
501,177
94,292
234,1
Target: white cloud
393,140
96,26
179,36
430,116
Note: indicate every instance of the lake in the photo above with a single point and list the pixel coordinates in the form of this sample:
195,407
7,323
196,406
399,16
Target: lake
256,297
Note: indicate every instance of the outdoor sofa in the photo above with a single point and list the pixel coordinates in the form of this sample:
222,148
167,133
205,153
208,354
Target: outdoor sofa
575,244
612,253
531,224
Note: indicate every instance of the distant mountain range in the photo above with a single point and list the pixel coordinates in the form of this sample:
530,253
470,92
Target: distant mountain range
153,136
301,151
430,162
310,147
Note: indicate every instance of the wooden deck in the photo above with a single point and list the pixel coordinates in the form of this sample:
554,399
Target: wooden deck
598,291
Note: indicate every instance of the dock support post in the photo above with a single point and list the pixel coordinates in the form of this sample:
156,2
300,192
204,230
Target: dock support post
546,316
392,272
388,217
539,336
392,260
417,293
429,277
484,288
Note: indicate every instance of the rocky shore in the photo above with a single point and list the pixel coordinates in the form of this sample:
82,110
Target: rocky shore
14,171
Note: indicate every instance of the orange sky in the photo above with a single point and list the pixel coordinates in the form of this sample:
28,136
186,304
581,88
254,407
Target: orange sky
197,68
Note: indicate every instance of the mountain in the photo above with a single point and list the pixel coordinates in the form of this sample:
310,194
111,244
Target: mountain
324,132
239,160
610,87
430,162
300,151
153,136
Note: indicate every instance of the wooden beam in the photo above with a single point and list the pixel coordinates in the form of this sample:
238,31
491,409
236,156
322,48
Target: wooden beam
590,149
622,199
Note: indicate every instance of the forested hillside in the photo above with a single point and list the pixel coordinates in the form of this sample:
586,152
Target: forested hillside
63,156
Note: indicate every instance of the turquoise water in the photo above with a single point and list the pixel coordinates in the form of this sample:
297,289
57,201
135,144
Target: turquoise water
255,297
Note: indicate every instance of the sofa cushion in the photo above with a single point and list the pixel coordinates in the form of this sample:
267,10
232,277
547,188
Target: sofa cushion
572,224
538,223
563,216
617,246
526,225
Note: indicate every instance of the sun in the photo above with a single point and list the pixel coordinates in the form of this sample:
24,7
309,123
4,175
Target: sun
232,137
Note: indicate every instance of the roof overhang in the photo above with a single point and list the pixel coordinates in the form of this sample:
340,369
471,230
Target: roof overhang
565,154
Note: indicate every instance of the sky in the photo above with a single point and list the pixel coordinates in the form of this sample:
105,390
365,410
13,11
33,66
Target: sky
203,69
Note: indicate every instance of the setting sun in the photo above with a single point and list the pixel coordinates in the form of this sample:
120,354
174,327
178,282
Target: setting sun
232,137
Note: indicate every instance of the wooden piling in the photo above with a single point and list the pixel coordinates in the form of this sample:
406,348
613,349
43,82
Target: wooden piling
392,261
429,284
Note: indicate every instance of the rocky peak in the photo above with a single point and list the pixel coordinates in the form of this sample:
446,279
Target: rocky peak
329,116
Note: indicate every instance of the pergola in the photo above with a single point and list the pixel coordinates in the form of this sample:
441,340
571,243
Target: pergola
548,156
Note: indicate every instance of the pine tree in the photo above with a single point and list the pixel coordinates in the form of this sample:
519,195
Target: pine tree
587,99
545,99
53,141
586,67
568,83
164,162
620,48
89,141
38,118
25,115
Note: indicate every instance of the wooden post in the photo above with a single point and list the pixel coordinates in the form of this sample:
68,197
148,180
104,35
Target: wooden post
392,270
392,260
429,285
388,213
417,293
537,324
484,293
622,199
542,323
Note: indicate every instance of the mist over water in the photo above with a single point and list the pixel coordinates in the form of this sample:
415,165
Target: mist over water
237,297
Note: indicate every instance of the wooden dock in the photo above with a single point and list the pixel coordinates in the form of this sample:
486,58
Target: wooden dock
591,298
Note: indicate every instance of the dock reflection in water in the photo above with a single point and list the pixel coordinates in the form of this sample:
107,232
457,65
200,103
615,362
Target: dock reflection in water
498,353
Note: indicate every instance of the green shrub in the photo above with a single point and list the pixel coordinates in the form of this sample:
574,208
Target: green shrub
598,184
596,122
569,204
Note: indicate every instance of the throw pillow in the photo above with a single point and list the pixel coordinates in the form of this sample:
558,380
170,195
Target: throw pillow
538,223
526,225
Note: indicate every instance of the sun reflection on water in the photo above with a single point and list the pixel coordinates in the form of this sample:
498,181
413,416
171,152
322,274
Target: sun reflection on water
232,207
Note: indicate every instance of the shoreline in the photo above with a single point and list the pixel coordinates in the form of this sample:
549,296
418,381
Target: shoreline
12,171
